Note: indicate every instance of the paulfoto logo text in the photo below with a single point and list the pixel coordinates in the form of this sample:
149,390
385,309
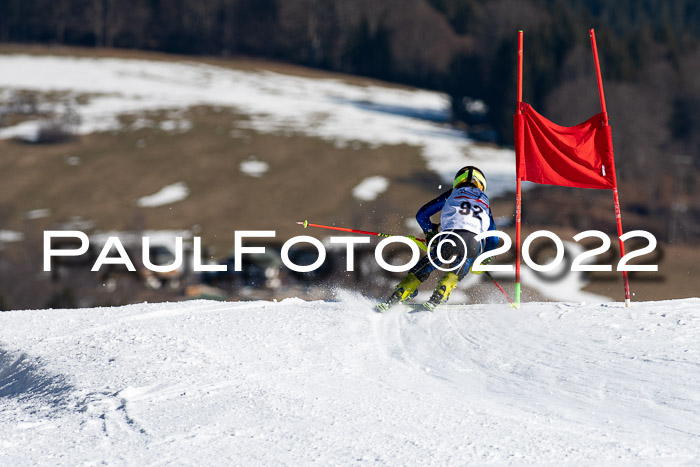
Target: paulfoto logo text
580,263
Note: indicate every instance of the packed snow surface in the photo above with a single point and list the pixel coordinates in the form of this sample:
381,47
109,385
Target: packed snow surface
8,236
254,167
294,382
37,214
331,109
370,188
167,195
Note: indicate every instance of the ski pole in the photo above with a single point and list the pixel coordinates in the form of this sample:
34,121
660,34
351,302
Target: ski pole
419,241
488,274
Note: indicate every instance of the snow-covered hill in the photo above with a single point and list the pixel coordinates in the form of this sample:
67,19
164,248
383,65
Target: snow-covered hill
102,89
294,382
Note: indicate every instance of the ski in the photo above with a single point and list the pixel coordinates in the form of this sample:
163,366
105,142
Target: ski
411,307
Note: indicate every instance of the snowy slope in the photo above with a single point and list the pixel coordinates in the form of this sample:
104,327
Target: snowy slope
101,89
288,383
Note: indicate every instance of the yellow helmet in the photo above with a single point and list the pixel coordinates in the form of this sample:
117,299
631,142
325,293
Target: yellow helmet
470,175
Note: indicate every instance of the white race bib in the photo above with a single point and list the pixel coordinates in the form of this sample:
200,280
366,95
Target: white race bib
467,208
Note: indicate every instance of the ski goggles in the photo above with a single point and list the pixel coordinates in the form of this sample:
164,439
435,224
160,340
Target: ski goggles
471,176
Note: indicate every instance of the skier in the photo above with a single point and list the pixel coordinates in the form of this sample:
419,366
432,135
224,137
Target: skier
466,214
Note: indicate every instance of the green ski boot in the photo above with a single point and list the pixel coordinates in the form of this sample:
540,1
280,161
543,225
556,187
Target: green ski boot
407,288
442,291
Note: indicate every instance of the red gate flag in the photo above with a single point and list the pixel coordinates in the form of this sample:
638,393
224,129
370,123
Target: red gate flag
578,156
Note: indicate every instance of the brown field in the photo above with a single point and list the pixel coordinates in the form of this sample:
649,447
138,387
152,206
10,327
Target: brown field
307,179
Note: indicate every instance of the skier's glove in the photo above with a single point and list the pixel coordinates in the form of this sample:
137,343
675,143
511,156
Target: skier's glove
429,234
